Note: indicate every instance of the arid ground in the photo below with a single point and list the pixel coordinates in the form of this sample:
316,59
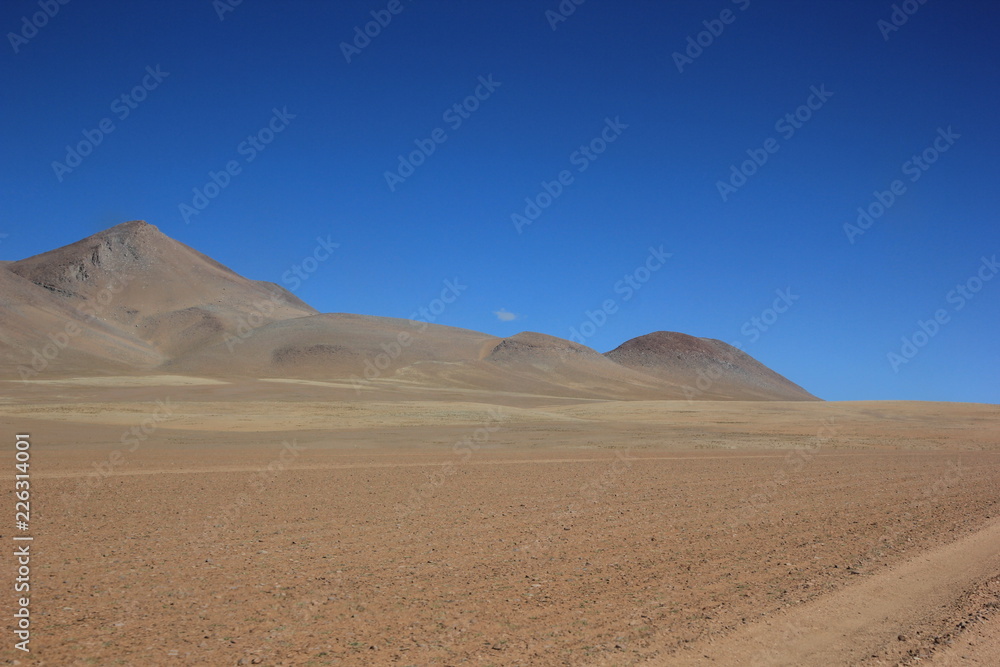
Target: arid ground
207,522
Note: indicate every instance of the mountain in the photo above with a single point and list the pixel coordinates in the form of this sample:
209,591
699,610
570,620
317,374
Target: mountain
131,300
41,330
550,365
705,368
336,346
158,290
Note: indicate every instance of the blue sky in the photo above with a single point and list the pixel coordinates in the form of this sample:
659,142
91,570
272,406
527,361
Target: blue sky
640,137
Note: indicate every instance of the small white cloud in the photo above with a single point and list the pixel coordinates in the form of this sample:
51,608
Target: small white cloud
504,315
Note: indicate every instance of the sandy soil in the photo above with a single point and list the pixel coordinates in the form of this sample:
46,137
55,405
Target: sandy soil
179,522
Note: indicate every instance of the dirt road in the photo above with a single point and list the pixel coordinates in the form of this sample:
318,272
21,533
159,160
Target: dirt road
871,620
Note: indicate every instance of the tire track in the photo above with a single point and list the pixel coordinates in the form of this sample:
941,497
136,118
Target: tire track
420,464
855,623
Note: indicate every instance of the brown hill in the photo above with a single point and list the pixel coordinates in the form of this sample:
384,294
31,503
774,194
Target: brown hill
43,331
337,346
172,297
132,300
550,365
705,368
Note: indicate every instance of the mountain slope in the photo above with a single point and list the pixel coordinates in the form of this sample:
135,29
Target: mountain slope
141,281
336,346
705,368
132,300
41,331
550,365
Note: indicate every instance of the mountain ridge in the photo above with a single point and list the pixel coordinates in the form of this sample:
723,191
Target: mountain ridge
130,299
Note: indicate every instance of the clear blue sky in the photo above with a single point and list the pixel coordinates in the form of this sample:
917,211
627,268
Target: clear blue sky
884,96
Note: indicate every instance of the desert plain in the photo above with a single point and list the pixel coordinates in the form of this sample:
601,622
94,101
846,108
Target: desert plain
186,520
222,475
